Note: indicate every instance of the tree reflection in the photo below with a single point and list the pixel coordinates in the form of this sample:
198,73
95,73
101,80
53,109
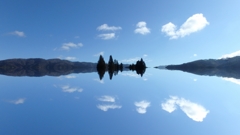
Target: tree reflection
37,67
113,67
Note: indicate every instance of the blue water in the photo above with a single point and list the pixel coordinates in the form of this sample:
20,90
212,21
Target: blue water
160,102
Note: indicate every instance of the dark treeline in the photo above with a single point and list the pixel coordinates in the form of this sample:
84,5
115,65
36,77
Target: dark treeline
37,67
113,67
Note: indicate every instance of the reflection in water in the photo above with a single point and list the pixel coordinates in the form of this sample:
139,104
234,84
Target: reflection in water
67,88
229,67
40,67
193,110
18,101
233,80
142,106
105,107
113,67
36,67
107,98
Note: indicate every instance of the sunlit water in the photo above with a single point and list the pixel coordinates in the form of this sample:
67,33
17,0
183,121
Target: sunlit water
160,102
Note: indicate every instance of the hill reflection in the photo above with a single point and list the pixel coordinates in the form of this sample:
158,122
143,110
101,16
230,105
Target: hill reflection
37,67
229,67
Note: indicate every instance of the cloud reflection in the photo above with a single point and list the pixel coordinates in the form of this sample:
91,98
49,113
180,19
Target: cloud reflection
142,106
193,110
105,107
233,80
67,88
106,98
18,101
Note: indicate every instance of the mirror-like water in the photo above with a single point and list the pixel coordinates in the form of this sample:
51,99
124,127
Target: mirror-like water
160,102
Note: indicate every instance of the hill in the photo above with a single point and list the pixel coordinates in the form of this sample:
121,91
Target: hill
229,67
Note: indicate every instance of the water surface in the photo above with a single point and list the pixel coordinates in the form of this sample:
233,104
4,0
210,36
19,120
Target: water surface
160,102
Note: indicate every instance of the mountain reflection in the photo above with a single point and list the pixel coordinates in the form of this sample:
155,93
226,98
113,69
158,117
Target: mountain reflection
228,68
37,67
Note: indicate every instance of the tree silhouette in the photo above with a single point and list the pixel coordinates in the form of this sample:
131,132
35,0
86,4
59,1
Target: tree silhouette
113,67
101,67
140,67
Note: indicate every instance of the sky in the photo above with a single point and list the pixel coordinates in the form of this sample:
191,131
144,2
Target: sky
161,32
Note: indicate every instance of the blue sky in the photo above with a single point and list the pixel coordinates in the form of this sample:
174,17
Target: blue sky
162,32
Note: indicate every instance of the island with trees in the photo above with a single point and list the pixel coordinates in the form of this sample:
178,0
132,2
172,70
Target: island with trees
113,67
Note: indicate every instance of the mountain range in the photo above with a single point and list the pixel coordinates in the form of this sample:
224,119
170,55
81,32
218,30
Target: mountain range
228,67
42,67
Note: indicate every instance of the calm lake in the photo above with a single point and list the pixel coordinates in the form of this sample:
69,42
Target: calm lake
160,102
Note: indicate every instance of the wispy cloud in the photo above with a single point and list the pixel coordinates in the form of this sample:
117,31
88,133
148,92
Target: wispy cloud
195,55
133,60
193,110
107,98
193,24
106,107
142,28
18,33
70,58
142,106
70,45
233,80
98,54
67,88
107,36
231,55
105,27
18,101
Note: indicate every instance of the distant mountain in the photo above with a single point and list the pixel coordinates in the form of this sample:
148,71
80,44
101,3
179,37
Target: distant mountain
229,67
160,67
41,67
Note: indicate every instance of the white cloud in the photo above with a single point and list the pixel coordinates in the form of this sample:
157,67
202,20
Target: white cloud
70,76
193,24
194,80
107,98
105,27
18,33
67,88
70,45
193,110
231,55
107,36
106,107
195,55
18,101
233,80
142,106
142,28
70,58
131,60
98,54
